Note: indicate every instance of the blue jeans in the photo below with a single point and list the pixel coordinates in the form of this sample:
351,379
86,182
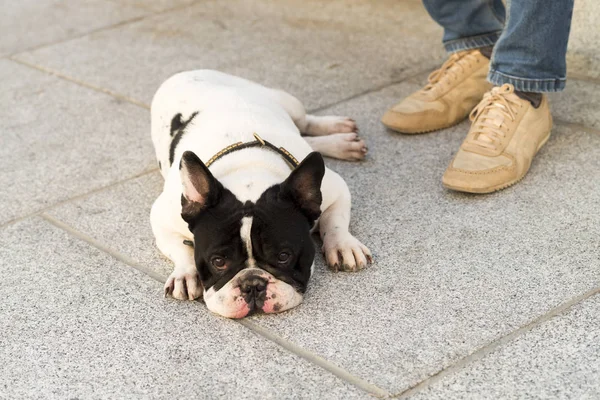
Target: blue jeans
529,37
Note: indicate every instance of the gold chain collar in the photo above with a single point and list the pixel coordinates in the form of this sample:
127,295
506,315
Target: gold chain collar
259,142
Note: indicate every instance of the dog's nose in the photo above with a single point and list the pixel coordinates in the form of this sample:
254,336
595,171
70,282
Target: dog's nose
254,290
253,284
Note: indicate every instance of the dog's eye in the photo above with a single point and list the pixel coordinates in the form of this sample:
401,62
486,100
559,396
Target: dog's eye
284,257
218,262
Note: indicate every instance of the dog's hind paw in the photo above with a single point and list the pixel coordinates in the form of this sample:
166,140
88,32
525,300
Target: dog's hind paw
327,125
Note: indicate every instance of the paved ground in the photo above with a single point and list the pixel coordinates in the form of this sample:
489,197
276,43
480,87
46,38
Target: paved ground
471,297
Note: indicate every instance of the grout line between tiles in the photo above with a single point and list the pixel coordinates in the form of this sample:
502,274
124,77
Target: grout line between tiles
494,345
83,34
82,83
257,329
315,359
369,91
103,28
77,197
100,246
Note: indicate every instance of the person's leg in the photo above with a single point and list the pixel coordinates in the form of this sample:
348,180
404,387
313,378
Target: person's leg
468,24
471,27
531,52
513,121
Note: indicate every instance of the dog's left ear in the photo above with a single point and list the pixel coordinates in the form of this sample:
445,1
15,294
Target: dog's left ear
200,188
303,186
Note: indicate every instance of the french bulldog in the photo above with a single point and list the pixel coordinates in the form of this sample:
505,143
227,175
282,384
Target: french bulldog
239,232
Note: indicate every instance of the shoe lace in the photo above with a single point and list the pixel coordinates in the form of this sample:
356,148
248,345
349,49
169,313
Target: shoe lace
489,116
446,69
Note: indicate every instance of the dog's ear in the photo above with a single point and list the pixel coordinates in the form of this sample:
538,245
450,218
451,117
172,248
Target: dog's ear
303,186
200,188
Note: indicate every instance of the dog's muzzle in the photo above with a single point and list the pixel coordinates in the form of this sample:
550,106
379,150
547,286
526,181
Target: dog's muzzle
251,291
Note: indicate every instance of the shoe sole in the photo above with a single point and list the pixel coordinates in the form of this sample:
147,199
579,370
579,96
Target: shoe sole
503,185
404,132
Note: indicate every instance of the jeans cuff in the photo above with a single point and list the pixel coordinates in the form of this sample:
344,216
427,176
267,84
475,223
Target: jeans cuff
527,85
472,42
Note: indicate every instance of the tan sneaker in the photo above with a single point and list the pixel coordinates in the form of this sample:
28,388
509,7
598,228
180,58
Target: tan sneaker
452,92
506,134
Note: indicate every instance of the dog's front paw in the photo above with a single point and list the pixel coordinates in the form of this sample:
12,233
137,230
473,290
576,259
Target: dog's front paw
345,253
184,284
343,146
347,146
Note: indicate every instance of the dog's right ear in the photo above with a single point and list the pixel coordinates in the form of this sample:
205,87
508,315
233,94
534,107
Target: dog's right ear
200,188
303,185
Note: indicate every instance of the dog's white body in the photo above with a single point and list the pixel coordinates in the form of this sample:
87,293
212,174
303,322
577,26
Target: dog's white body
230,109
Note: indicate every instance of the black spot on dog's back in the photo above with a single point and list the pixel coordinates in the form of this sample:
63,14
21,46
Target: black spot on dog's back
178,126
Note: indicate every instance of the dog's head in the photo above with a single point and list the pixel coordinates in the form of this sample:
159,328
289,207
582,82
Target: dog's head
252,256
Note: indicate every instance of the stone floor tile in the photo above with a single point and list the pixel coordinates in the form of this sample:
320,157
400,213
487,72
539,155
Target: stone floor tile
321,57
78,324
60,140
559,359
31,23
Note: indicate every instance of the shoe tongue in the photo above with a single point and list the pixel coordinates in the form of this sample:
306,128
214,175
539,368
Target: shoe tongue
513,97
495,114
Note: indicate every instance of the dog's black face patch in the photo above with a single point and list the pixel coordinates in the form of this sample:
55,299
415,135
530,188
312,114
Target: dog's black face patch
279,240
218,248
